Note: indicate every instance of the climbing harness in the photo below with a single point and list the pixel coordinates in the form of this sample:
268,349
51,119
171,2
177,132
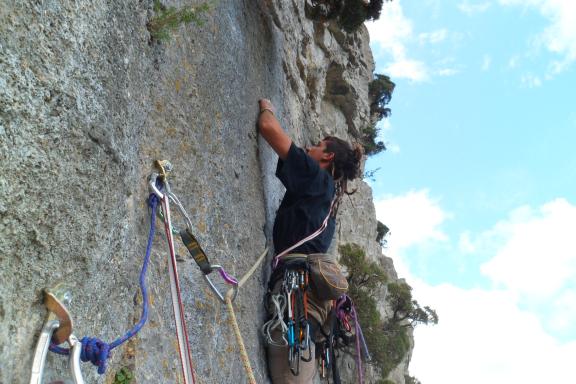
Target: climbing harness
93,349
290,312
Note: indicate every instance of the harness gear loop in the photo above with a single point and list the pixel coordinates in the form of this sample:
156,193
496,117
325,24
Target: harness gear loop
191,242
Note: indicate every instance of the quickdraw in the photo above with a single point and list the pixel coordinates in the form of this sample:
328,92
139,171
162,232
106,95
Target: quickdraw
186,234
157,182
177,305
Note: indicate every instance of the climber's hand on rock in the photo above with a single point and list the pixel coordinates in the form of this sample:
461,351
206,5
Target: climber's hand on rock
265,104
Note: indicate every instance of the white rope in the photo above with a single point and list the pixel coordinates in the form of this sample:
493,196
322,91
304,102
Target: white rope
277,320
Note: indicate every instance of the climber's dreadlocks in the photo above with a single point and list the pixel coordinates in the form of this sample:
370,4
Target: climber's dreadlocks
345,166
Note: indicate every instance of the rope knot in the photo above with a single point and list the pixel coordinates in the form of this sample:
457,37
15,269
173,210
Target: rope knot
152,201
95,351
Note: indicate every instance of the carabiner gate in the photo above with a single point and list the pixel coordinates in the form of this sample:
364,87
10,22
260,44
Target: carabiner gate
227,278
152,185
57,329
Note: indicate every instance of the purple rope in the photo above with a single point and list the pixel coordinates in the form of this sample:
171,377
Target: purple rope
97,351
341,313
358,351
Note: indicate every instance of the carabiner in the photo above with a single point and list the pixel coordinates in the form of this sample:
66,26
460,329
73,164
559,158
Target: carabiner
152,185
227,278
42,349
57,329
74,359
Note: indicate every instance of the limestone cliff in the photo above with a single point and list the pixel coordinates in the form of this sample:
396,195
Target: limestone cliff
88,101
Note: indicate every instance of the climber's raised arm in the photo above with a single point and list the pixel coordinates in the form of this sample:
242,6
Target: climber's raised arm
271,131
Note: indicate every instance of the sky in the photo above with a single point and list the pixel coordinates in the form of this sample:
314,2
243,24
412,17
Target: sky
478,183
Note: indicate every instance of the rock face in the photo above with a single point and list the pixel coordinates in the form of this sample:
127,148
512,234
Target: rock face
88,101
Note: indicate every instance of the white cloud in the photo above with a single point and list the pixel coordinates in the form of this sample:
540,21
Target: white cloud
513,62
393,147
530,80
391,33
413,218
434,37
486,62
392,30
473,8
563,314
560,36
494,335
465,244
446,72
483,337
538,256
408,69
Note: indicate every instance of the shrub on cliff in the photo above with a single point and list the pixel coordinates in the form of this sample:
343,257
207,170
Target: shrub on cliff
168,19
350,14
387,339
380,92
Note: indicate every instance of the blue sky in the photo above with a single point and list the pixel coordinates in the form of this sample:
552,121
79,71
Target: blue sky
478,184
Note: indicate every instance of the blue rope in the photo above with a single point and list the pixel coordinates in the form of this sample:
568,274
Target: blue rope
97,351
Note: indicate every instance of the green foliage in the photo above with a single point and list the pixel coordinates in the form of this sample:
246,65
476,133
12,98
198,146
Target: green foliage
168,19
362,274
123,376
364,279
381,232
380,93
386,381
353,15
388,341
350,14
369,175
368,140
405,308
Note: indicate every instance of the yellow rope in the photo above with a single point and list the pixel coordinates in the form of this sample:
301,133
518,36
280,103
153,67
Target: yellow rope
234,323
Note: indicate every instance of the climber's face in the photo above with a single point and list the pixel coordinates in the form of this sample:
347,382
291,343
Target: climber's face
318,153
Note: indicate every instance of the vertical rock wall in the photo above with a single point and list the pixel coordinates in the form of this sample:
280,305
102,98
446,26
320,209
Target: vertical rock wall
88,101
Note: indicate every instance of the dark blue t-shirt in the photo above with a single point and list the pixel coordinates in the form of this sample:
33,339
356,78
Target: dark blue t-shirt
306,203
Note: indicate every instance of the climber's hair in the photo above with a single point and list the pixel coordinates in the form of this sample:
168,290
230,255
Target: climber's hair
345,166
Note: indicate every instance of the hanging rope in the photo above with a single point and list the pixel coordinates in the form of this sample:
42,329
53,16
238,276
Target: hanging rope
97,351
177,305
234,322
345,306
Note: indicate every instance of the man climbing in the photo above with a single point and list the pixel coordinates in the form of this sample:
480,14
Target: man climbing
315,180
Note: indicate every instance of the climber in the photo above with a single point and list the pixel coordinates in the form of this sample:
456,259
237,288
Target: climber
315,179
